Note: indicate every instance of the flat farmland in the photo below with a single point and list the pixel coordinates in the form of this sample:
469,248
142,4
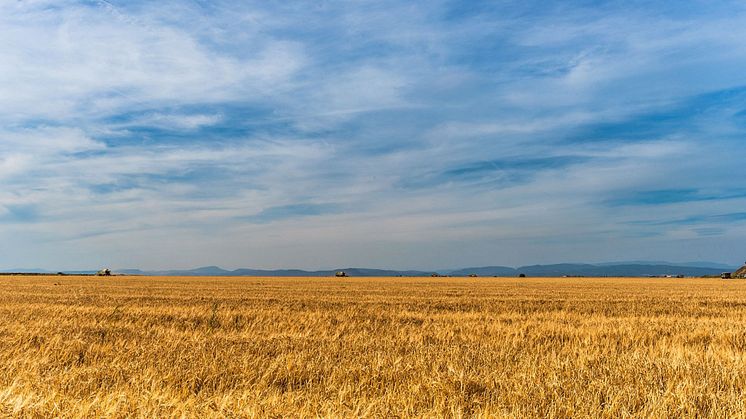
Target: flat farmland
298,347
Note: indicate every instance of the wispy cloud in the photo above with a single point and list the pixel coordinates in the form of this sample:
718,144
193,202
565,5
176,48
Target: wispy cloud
702,219
18,213
291,211
675,196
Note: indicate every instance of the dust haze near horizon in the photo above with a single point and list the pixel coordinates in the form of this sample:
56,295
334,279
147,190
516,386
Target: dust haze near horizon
386,134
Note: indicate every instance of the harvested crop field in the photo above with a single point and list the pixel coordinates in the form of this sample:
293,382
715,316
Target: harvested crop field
243,347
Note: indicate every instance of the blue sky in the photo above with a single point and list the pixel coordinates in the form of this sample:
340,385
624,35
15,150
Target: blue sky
397,134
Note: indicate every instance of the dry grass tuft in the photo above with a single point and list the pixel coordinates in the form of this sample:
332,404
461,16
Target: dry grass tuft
244,347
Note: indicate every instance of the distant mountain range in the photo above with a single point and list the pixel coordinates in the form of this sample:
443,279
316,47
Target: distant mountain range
628,269
217,271
576,269
700,264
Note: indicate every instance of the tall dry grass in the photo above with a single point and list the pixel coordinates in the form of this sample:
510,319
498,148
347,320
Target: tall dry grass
299,347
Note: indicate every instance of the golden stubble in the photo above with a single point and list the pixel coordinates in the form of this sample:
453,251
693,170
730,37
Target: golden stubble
371,347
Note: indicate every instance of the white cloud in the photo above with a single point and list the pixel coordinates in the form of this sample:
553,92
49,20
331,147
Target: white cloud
174,121
86,61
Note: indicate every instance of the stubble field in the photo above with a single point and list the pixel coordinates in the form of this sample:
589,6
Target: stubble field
299,347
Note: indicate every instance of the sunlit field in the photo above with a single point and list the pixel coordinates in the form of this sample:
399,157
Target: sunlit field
243,347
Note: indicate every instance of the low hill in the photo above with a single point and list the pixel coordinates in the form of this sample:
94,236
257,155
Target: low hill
216,271
579,269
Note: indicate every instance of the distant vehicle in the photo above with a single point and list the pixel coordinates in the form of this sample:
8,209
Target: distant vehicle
725,275
104,272
340,273
521,275
472,275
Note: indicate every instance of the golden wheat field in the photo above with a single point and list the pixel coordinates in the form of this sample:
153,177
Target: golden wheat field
371,347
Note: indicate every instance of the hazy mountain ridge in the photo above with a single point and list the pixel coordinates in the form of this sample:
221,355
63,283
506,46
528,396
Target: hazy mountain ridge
573,269
217,271
561,269
697,264
628,269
